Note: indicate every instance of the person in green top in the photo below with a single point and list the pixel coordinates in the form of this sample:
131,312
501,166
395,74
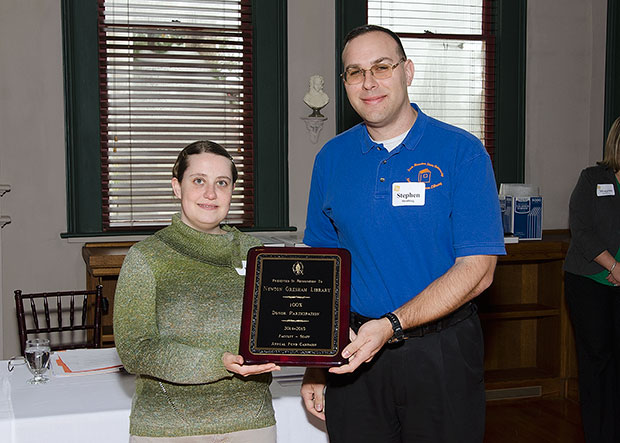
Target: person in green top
591,284
177,315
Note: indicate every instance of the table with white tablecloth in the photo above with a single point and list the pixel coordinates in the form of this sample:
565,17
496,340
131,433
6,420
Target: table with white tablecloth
95,408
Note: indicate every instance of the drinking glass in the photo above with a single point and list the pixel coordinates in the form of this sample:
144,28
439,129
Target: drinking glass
37,358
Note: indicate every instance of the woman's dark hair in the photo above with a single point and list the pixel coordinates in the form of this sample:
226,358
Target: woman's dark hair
364,29
199,147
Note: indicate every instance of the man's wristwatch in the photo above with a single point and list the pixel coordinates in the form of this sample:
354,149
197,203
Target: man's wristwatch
396,327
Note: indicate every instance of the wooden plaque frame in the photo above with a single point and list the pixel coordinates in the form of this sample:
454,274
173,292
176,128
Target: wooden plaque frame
296,306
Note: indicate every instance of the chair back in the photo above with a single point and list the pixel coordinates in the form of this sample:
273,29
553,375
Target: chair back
49,312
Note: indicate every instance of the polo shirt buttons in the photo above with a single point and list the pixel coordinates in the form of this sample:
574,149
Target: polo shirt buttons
384,161
378,148
381,179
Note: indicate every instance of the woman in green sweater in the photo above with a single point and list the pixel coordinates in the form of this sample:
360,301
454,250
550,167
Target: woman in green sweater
177,313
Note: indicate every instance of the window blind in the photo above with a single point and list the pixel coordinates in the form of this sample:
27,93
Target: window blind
171,73
452,47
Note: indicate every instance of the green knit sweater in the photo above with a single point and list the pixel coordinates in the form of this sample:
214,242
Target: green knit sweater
177,309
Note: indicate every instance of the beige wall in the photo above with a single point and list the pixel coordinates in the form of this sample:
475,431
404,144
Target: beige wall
311,38
563,126
32,158
565,83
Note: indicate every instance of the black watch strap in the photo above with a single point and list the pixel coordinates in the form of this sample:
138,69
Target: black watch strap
396,327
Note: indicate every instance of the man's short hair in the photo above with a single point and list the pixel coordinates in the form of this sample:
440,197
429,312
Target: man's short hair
365,29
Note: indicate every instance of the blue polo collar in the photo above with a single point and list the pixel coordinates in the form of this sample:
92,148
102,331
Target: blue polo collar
411,140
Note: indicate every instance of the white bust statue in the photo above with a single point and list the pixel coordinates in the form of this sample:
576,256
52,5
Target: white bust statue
315,98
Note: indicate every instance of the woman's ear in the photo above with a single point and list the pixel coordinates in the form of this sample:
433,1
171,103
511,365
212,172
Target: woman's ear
176,187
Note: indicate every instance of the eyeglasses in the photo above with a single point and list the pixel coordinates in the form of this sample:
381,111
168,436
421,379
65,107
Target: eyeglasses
353,76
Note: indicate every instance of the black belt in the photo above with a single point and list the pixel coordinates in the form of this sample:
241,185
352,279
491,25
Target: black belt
451,319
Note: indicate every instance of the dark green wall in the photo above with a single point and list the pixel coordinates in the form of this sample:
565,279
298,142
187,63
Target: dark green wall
82,116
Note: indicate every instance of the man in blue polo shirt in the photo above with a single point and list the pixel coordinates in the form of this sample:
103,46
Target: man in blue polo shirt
414,200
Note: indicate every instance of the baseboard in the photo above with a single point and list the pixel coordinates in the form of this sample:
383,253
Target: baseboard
514,393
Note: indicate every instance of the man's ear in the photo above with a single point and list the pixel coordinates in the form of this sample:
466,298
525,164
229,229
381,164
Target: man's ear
409,71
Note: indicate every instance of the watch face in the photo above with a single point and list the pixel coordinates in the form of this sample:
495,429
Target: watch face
398,334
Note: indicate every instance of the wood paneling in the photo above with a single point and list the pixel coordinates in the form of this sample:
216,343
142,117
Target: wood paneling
103,264
528,337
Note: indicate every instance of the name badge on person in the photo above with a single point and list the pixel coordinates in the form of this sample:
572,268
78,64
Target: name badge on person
241,270
408,194
605,190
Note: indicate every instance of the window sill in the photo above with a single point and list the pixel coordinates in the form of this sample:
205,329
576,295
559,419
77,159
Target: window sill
289,233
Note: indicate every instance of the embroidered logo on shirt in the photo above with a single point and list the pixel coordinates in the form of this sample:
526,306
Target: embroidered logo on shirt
427,173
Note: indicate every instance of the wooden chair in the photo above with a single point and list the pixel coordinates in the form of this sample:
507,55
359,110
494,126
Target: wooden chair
56,322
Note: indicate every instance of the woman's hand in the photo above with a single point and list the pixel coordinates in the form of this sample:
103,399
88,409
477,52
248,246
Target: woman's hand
608,261
614,275
234,363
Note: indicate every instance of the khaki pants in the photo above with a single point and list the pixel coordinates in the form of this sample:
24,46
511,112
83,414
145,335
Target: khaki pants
262,435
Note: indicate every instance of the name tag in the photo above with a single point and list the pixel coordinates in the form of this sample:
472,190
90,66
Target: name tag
241,270
605,190
408,194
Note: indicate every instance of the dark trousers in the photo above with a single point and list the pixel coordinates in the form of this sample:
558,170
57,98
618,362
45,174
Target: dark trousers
423,389
595,314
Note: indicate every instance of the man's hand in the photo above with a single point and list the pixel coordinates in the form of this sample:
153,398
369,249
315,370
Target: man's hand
369,340
234,363
312,391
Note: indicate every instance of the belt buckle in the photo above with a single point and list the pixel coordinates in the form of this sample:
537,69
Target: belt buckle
415,332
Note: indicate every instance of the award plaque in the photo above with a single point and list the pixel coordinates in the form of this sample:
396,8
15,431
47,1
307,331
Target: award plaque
296,306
